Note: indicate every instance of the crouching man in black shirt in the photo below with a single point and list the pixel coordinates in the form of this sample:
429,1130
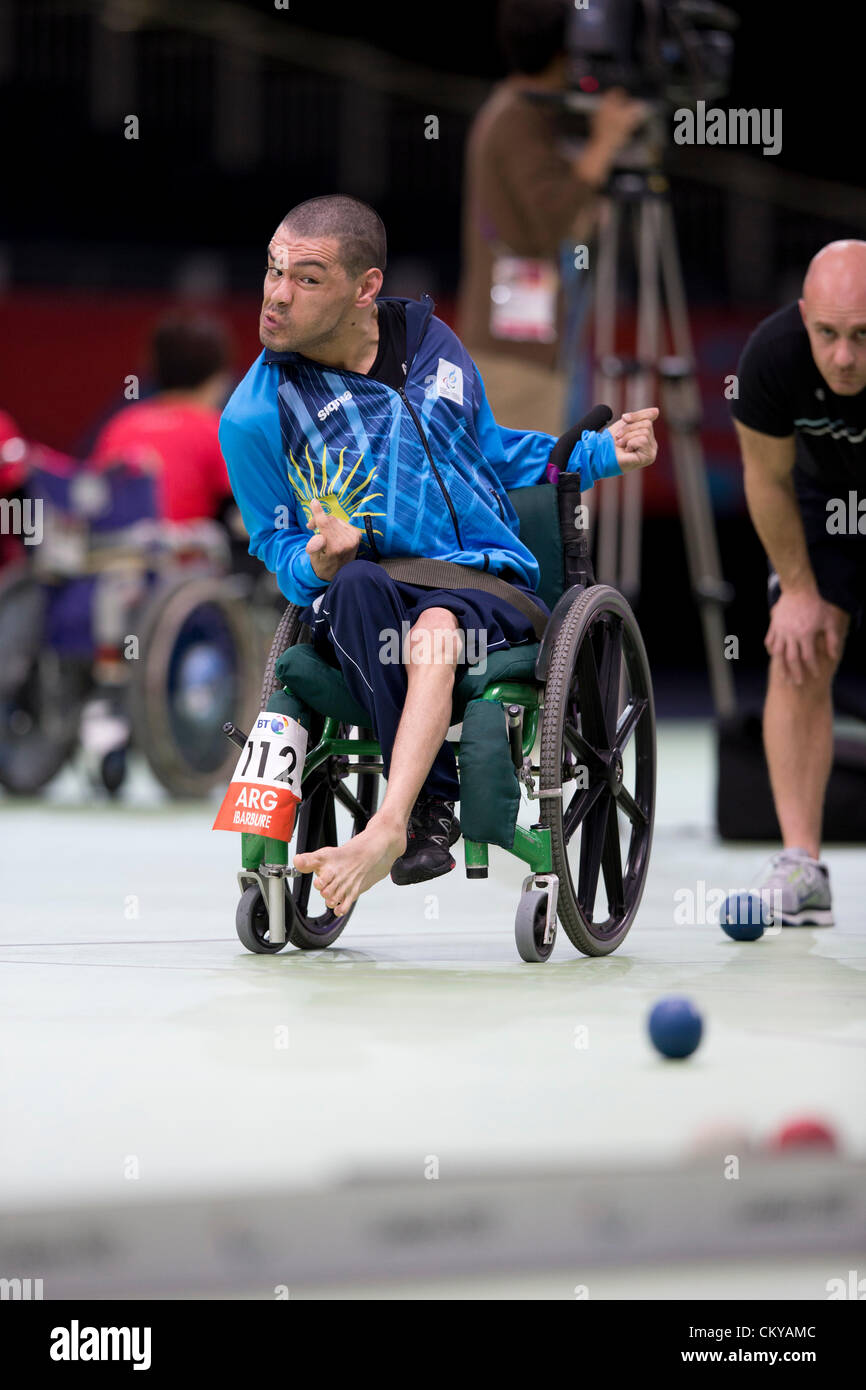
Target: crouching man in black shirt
801,422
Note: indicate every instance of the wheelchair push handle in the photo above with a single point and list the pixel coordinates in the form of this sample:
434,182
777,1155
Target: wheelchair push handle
595,419
576,564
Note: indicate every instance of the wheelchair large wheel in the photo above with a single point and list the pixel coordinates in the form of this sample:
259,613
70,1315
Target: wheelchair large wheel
335,807
41,691
197,648
290,630
598,745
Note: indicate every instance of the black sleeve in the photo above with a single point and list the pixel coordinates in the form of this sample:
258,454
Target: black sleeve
764,395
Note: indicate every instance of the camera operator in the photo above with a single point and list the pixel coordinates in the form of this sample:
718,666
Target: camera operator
522,198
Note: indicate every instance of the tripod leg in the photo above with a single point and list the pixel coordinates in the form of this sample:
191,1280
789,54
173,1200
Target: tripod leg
683,403
608,385
641,384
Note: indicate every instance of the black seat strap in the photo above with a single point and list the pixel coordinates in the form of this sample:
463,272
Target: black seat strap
442,574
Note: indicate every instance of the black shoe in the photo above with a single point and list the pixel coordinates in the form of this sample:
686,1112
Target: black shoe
433,827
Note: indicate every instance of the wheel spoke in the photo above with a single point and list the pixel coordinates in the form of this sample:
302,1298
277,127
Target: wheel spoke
591,706
317,827
584,751
635,813
312,832
611,863
591,845
352,805
626,726
301,893
329,824
581,803
610,669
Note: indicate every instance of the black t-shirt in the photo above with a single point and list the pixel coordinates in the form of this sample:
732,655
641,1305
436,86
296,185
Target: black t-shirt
781,392
390,364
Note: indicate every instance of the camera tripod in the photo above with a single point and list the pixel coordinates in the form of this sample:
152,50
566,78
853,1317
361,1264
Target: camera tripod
639,194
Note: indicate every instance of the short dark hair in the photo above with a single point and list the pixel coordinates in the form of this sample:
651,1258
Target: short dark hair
532,33
356,226
187,350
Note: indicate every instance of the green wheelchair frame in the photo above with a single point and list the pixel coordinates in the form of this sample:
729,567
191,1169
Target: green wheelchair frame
585,689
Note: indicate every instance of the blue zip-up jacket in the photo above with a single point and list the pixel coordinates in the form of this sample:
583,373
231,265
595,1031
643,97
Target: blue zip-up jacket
420,471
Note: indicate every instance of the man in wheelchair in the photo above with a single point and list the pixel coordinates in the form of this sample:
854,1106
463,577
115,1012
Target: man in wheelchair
365,422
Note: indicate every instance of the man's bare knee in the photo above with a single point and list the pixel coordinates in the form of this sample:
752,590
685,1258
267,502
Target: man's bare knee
434,642
815,685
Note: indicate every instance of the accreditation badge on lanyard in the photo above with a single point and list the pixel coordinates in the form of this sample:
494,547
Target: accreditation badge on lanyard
523,299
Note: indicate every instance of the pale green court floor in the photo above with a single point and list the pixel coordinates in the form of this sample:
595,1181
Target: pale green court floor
145,1053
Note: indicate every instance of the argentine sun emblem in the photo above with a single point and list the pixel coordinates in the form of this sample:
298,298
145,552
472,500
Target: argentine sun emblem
340,499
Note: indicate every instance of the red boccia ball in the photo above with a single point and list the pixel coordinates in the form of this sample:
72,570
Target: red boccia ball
803,1134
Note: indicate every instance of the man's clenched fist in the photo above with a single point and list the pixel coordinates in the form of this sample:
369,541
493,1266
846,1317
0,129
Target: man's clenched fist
634,440
334,544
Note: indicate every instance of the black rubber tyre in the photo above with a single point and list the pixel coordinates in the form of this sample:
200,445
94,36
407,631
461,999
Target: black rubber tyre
323,790
251,921
290,630
529,927
598,730
190,755
42,692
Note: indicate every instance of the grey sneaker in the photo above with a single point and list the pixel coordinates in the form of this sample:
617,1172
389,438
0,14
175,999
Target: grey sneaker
803,888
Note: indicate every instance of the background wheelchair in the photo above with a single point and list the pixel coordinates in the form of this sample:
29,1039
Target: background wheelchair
117,630
569,723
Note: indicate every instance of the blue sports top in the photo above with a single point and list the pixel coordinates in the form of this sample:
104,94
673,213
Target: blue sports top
420,471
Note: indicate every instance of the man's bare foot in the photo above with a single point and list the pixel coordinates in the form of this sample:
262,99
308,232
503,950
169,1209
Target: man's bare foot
344,872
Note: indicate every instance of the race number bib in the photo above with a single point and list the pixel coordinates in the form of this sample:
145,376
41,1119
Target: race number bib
523,300
265,790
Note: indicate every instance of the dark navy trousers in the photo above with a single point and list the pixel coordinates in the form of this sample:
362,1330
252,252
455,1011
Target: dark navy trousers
360,623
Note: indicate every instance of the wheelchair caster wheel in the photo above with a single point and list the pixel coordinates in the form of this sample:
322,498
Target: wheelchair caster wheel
529,927
251,922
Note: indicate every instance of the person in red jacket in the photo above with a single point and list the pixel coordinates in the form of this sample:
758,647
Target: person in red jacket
172,434
175,430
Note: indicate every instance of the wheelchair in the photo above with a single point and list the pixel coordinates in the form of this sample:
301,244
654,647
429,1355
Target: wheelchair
567,723
108,571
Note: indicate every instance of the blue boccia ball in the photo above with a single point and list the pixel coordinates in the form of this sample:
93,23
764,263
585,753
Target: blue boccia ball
744,916
675,1026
